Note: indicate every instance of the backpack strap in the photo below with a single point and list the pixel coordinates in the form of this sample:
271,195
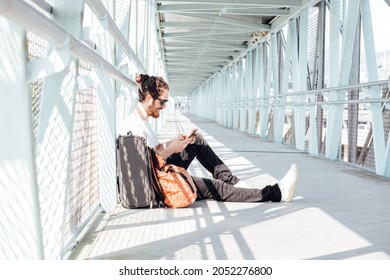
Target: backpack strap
155,182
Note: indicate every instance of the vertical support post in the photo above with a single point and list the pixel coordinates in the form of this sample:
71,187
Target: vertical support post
54,139
222,97
242,76
280,111
21,236
230,88
275,81
134,30
300,111
214,97
217,100
236,94
334,60
316,112
106,119
335,118
252,92
249,93
264,104
124,96
258,81
382,155
225,96
353,109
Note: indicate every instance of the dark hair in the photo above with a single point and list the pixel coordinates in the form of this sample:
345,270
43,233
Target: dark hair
150,85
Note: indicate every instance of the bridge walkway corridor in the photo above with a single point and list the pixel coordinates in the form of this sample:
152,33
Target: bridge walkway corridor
339,212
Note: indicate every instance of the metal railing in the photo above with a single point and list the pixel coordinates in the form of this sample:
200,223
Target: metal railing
274,100
359,133
72,150
26,16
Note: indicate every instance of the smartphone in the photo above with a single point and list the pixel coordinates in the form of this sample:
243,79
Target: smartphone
193,133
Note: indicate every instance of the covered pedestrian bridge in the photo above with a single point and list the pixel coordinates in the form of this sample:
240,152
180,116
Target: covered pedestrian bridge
267,82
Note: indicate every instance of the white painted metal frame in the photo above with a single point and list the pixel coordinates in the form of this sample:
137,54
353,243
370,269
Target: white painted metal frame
272,92
19,190
40,172
53,141
213,34
382,154
35,175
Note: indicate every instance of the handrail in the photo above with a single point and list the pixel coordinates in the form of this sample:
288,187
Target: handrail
26,16
102,14
43,5
339,88
255,102
292,104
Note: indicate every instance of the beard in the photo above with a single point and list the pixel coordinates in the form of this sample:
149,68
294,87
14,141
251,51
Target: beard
155,114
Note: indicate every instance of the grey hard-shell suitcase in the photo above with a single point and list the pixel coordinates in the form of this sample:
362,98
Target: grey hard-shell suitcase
135,189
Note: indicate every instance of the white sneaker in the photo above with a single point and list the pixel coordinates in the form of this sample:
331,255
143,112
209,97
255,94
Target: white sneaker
288,183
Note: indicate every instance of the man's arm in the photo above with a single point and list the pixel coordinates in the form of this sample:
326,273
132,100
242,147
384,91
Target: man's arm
162,149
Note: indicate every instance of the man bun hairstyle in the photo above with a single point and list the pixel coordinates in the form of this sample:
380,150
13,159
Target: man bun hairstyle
150,85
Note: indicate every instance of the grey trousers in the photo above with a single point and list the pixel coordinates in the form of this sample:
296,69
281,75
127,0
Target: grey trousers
221,187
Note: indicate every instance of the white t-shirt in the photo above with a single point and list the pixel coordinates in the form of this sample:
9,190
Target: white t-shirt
139,127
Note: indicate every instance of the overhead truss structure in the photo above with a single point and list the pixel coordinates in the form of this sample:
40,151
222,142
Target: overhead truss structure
202,37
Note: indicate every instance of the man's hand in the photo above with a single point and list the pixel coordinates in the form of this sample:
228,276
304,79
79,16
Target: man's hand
178,144
191,135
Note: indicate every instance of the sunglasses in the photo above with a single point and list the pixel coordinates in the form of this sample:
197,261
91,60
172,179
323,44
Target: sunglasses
162,101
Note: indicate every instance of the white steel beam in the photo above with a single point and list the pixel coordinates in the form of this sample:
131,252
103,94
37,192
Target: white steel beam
203,68
210,33
258,80
43,5
224,38
382,155
108,22
277,25
54,140
335,117
334,64
267,89
301,70
280,111
202,25
250,91
271,3
231,90
242,93
26,16
186,52
56,61
207,44
21,237
224,9
192,65
185,60
237,94
226,20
